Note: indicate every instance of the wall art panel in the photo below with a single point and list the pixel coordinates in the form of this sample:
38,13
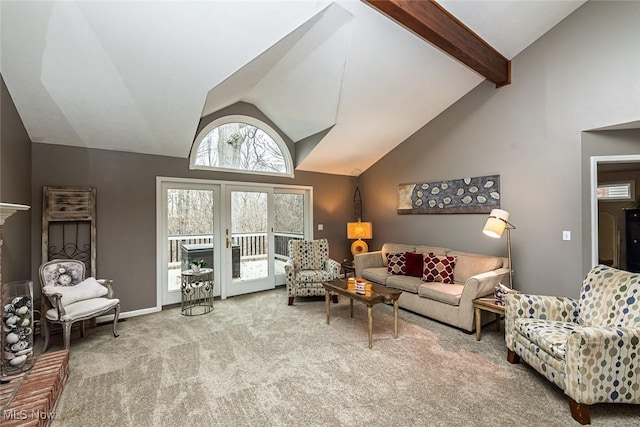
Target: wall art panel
457,196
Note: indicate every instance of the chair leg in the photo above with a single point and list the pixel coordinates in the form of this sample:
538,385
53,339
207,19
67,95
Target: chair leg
115,320
579,411
66,332
512,357
45,331
82,329
290,300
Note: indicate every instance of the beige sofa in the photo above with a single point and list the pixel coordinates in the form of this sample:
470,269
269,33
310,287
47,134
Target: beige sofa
475,275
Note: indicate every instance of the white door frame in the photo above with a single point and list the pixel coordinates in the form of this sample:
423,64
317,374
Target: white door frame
594,195
161,246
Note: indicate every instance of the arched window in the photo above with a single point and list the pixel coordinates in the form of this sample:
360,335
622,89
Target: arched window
241,144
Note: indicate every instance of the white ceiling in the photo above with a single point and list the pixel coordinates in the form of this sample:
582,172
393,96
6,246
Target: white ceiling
138,76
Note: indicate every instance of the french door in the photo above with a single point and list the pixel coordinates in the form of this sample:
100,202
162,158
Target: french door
249,239
240,230
189,221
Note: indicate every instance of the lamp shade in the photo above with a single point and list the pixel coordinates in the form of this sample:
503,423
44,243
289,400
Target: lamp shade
359,230
496,223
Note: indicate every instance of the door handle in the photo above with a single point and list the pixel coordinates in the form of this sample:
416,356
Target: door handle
228,243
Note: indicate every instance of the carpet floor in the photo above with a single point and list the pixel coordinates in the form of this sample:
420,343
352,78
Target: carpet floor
254,361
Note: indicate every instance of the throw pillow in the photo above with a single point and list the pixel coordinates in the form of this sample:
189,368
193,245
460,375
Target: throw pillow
438,268
87,289
396,264
414,263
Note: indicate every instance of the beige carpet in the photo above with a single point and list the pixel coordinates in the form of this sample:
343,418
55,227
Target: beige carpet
254,361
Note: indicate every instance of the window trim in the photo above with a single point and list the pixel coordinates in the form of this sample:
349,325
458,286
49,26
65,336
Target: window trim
286,154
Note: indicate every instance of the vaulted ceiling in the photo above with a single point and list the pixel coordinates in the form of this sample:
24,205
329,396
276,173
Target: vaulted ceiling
138,76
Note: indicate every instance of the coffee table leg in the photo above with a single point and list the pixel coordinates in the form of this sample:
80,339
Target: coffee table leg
351,303
327,298
369,315
395,319
478,321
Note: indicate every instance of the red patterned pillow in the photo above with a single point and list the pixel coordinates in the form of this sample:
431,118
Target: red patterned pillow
396,264
438,268
414,263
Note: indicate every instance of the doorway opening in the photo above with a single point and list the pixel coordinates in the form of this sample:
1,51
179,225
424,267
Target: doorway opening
613,177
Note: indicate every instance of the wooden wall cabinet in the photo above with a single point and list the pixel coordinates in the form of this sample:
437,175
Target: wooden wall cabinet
632,222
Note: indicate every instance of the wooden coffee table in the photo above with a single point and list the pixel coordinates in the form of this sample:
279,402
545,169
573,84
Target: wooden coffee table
378,294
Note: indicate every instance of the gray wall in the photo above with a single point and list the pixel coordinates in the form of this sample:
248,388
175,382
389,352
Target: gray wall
126,202
581,75
15,187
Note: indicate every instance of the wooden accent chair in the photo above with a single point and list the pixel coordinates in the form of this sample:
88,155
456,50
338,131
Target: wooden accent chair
588,347
308,266
69,297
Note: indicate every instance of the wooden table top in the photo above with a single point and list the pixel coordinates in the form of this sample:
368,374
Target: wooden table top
488,302
377,294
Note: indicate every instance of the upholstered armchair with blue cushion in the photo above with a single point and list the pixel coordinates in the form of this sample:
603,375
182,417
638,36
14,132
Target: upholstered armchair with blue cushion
589,347
308,266
69,297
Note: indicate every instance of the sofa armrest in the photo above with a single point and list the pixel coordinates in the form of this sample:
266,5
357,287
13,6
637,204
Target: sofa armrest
367,260
332,267
289,275
478,286
610,351
560,309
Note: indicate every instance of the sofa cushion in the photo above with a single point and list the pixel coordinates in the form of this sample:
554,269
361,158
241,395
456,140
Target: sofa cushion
438,268
414,263
442,292
87,289
309,254
468,265
550,336
396,263
395,248
431,250
405,283
376,274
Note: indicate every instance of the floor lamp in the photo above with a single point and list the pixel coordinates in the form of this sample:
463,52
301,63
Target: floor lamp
497,222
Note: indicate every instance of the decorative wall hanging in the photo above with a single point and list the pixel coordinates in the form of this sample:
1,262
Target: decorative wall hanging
480,194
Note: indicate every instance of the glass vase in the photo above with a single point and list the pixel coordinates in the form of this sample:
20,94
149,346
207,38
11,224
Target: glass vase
17,327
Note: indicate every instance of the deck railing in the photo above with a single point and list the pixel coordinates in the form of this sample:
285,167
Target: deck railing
252,245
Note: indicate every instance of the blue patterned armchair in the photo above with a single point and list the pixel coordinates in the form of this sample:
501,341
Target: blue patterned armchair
308,266
589,347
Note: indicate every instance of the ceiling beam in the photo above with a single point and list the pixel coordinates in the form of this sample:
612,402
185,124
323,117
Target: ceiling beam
433,23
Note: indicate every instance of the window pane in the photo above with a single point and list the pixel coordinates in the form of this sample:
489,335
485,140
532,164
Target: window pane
620,191
240,146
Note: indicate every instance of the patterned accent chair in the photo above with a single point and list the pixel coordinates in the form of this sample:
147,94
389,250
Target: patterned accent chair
589,347
69,297
308,266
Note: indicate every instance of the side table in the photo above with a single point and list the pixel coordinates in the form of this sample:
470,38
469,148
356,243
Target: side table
197,292
348,267
489,304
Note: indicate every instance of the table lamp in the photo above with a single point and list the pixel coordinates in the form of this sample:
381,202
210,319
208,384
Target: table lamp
359,230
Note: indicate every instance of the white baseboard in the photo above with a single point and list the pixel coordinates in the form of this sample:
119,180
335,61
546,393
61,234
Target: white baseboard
126,314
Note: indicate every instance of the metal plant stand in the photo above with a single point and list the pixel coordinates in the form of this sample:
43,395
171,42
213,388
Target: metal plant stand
197,292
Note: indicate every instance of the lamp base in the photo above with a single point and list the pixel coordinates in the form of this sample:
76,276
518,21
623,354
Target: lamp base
359,247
